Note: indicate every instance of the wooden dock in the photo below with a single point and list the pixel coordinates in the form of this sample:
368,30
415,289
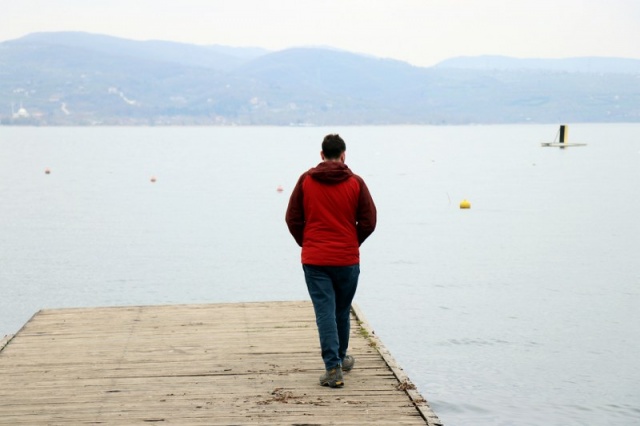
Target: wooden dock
214,364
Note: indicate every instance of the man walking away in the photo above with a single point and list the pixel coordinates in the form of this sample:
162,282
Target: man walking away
330,214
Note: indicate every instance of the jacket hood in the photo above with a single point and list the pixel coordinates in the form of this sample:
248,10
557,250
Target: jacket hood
330,172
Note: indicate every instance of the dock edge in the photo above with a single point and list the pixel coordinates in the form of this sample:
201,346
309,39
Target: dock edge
5,341
418,400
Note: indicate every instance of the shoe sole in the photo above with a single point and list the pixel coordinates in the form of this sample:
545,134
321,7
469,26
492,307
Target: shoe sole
336,384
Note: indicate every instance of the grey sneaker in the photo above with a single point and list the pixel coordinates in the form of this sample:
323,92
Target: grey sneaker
332,378
348,362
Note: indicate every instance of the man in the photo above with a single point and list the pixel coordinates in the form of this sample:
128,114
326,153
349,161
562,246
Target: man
330,214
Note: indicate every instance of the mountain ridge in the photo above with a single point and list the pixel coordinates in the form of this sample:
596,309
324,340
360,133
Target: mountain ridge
587,64
73,78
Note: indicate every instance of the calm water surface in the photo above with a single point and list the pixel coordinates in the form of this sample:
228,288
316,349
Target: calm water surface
523,310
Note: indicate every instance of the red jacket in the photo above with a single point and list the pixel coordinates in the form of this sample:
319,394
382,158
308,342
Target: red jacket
330,214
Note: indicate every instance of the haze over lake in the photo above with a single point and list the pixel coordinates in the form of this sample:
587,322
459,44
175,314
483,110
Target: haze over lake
521,310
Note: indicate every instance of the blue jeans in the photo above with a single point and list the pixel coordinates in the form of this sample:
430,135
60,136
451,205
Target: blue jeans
332,289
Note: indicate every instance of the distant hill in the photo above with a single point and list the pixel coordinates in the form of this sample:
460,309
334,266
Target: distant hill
585,64
72,78
214,57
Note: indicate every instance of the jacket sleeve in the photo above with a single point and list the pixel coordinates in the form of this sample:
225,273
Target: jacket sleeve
295,212
366,215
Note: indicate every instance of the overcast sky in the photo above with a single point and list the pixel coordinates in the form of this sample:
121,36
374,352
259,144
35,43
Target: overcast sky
422,32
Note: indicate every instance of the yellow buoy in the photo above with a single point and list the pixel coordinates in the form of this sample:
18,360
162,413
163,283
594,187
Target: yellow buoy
464,204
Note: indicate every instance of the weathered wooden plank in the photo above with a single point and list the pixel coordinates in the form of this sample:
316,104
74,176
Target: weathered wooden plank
246,363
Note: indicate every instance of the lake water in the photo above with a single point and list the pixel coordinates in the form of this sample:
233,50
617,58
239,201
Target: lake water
523,310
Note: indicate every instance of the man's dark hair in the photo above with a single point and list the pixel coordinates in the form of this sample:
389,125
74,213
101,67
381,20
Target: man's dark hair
333,146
